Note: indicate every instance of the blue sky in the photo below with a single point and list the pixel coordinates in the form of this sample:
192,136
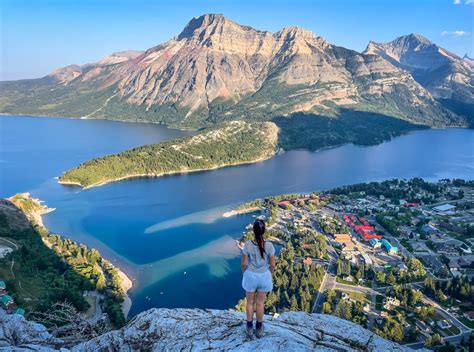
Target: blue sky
38,36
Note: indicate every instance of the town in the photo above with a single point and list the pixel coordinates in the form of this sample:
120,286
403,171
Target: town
397,257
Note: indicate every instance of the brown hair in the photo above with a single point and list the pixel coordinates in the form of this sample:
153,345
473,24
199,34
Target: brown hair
259,230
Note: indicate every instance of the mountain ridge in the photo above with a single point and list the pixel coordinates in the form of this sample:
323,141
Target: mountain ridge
217,70
444,74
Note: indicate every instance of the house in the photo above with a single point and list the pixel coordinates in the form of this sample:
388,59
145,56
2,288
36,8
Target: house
449,245
367,259
454,264
284,204
384,314
342,237
390,303
348,278
444,324
469,315
466,260
444,208
308,261
429,229
424,328
375,243
388,246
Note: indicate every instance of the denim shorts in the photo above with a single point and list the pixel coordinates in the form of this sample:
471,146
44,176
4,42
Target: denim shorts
261,282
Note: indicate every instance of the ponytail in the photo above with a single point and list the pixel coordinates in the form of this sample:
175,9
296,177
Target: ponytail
259,230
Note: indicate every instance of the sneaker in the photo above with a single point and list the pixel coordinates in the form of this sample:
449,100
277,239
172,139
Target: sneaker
259,332
249,332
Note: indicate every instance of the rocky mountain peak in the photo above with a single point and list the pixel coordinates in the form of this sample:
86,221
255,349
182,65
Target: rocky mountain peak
211,26
196,329
294,32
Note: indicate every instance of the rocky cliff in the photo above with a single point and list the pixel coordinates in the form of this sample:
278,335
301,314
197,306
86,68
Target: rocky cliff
216,70
444,74
194,330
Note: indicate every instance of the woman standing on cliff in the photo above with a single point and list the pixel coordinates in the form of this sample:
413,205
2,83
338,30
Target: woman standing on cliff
258,264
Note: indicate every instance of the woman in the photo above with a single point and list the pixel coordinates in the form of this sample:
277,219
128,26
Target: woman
258,264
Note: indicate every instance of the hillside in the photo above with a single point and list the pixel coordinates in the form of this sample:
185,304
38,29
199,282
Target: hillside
232,143
46,268
448,77
195,329
217,70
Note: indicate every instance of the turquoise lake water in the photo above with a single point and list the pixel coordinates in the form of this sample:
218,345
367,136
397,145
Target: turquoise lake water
168,233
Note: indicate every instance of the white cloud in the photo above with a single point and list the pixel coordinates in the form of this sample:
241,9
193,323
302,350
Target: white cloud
468,2
457,2
455,33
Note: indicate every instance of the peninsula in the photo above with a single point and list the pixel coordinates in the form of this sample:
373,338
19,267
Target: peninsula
231,143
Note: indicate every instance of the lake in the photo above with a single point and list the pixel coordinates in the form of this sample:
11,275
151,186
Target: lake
168,233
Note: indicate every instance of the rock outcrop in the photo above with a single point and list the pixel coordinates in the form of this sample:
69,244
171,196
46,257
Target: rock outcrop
194,330
18,334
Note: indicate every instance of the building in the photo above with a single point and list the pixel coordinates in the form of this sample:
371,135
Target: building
308,261
469,315
390,303
366,259
444,324
375,243
444,207
454,264
367,232
284,204
388,246
342,237
448,246
424,328
429,229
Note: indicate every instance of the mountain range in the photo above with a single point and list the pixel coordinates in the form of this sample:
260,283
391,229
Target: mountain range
216,70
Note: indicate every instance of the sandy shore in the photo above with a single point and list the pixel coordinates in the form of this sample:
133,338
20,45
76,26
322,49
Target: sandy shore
126,285
36,216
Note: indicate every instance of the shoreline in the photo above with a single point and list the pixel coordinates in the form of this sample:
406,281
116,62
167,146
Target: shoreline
171,173
37,216
126,285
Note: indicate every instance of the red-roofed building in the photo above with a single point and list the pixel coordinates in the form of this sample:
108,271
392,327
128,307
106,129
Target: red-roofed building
284,204
410,205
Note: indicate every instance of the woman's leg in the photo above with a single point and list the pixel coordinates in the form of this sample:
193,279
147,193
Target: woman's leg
261,296
250,296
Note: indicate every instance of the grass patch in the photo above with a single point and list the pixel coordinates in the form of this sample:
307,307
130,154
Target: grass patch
467,322
341,281
357,296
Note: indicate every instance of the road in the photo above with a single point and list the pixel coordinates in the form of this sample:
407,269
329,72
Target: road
329,278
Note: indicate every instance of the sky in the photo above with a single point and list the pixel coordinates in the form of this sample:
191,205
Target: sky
38,36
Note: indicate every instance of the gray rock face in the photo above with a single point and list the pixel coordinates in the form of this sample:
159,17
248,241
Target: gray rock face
193,329
18,334
196,330
442,73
